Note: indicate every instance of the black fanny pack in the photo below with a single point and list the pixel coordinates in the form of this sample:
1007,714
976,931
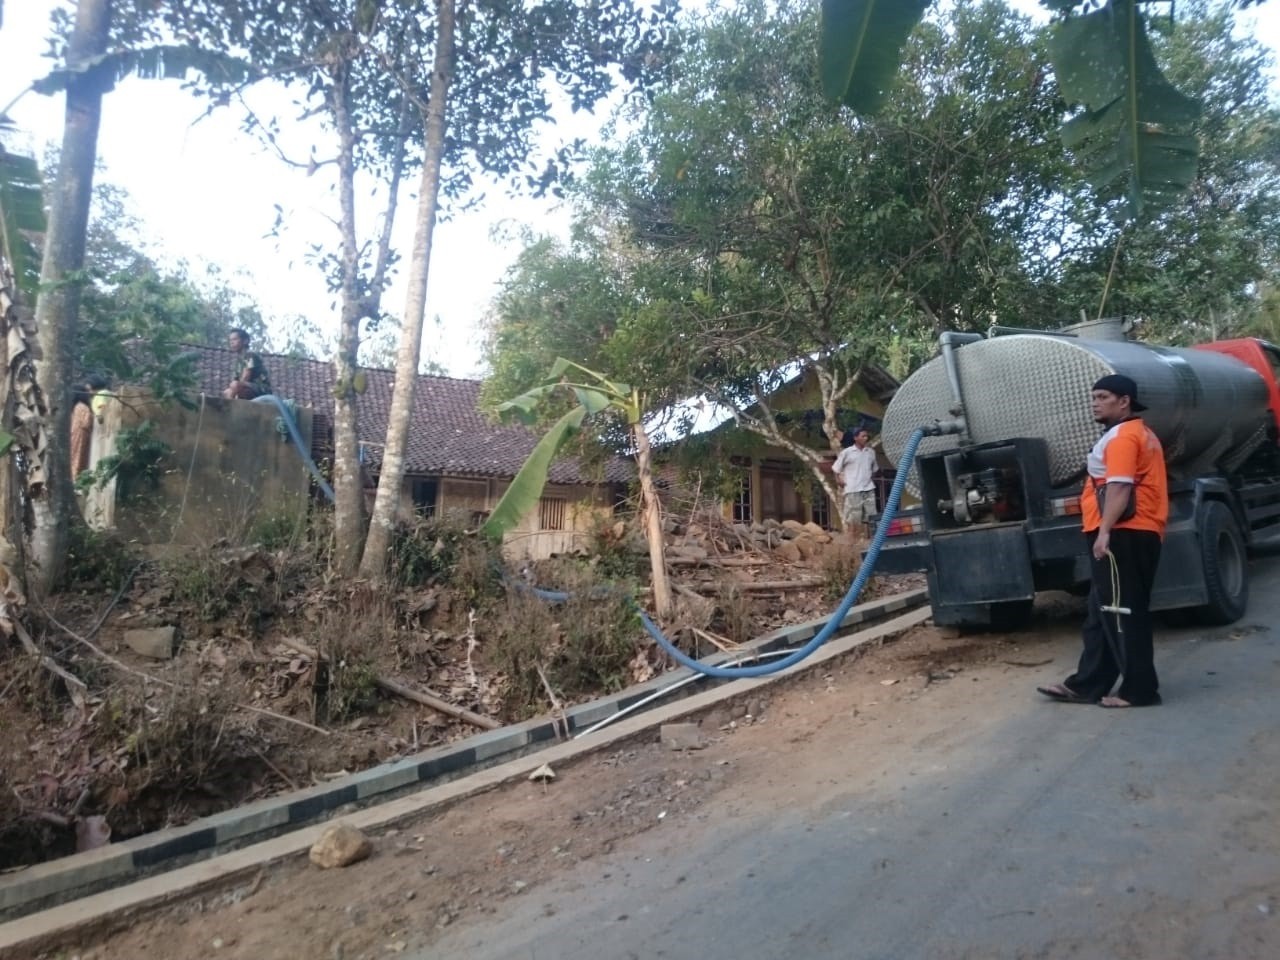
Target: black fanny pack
1130,508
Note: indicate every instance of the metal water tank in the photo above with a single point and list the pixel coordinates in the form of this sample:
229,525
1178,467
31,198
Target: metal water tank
1208,410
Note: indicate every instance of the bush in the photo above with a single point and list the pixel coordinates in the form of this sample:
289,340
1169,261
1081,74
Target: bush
279,529
841,561
583,646
98,558
442,550
203,580
355,632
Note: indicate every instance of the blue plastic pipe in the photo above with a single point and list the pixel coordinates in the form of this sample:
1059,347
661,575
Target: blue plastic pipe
292,427
833,624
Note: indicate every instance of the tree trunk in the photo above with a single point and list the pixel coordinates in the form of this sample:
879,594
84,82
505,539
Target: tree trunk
49,488
651,515
348,488
391,474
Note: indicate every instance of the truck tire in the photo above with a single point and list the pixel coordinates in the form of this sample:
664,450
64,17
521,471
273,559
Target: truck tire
1226,572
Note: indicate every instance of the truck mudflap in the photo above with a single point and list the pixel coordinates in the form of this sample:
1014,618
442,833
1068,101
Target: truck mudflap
987,565
905,554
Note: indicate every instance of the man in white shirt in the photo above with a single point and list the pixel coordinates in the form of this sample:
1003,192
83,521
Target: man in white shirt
854,466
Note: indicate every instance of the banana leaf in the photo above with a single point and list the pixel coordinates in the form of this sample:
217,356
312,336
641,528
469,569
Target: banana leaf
21,218
860,48
158,62
1136,128
526,489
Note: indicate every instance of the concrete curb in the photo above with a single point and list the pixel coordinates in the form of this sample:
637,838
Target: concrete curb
47,884
58,926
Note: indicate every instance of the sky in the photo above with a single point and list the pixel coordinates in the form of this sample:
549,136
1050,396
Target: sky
206,193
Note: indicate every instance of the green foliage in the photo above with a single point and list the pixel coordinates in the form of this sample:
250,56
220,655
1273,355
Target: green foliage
201,580
443,550
1136,126
21,217
137,319
352,687
97,558
860,45
597,395
583,646
137,464
1203,264
527,486
279,529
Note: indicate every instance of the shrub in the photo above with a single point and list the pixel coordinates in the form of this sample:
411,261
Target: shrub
97,558
584,645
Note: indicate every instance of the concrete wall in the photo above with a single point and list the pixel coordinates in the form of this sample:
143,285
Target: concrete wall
228,468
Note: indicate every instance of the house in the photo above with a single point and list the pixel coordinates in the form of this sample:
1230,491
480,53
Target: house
457,459
771,483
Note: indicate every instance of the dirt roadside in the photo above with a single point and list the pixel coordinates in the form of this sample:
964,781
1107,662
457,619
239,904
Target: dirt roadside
798,736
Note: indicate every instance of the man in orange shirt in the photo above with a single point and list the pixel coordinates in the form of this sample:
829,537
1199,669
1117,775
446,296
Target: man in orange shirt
1125,505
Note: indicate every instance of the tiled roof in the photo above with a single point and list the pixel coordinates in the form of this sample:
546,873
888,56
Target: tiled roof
450,436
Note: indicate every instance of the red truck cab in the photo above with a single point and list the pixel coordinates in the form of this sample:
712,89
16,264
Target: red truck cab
1262,356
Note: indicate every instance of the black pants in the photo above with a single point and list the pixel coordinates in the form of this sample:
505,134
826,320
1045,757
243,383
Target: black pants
1125,648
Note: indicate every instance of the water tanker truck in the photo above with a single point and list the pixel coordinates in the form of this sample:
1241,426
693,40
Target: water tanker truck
1000,479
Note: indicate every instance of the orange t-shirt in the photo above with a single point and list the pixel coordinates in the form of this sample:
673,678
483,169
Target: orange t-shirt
1128,453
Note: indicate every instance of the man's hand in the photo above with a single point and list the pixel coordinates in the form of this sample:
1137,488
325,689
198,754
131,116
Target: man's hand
1101,544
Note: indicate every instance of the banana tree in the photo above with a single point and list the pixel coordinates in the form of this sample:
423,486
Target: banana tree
596,394
1134,130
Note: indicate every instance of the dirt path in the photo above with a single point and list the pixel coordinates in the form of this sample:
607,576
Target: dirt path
790,746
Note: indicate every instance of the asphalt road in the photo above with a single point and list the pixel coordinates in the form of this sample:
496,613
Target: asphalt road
1060,831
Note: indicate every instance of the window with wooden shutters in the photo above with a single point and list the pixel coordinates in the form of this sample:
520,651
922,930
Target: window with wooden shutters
551,513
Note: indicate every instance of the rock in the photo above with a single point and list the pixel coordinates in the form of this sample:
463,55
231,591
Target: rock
619,529
793,524
815,529
683,736
715,720
787,550
153,642
689,551
806,545
92,832
543,774
339,846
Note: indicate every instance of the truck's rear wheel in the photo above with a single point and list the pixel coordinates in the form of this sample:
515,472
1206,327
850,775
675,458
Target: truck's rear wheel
1226,573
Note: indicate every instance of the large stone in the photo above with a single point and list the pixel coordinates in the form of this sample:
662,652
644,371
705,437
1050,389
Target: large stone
339,846
806,545
793,524
814,529
683,736
787,550
153,642
689,551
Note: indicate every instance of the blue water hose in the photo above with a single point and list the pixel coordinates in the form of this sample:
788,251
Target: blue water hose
292,427
837,618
